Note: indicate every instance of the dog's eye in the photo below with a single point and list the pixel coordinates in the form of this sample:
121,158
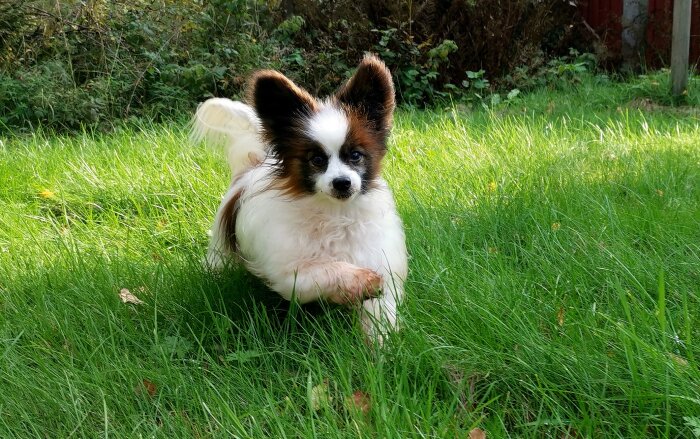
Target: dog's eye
355,156
318,160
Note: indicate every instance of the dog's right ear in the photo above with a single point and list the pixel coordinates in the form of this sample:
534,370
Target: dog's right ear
279,103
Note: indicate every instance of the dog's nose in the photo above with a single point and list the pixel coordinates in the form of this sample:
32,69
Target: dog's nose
341,184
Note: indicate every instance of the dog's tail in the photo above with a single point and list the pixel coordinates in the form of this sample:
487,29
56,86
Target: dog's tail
234,125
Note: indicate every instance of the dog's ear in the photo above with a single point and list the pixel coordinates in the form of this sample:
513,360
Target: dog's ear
279,103
371,92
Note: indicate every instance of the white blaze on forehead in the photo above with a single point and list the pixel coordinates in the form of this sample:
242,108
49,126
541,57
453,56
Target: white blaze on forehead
329,127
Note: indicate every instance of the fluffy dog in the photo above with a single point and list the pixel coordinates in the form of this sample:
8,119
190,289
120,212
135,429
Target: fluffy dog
307,210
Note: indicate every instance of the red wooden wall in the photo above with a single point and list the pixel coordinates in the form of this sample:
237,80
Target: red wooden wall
604,17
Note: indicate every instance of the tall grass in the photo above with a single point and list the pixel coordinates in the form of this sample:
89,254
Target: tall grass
553,292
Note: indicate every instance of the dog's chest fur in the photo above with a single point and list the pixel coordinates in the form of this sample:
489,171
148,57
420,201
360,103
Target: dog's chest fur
339,235
272,229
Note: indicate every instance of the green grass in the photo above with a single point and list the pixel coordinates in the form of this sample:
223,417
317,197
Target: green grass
554,285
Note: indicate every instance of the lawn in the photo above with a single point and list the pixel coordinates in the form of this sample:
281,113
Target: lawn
554,286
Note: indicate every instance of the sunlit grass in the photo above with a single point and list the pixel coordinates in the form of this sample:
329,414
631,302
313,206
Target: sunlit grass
554,285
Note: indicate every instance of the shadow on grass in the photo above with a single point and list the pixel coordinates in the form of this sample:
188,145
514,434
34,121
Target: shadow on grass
224,311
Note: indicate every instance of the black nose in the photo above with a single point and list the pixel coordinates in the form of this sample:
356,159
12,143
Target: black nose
341,184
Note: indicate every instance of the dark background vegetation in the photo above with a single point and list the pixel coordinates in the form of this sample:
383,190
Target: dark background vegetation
68,64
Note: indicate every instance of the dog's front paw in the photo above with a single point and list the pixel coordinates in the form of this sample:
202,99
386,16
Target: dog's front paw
358,284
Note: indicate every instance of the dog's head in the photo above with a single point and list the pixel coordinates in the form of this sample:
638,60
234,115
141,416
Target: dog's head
331,147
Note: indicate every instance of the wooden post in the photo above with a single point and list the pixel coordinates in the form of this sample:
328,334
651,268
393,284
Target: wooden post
680,51
634,31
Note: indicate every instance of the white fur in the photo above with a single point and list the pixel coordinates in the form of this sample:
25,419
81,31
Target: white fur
336,168
306,247
329,127
295,246
233,124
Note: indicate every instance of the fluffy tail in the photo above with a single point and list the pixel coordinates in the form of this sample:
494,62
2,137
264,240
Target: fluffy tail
234,125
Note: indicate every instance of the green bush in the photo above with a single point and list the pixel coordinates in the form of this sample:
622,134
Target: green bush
431,45
73,63
69,64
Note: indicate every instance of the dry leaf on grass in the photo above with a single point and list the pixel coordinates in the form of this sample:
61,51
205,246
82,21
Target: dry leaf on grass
678,359
319,397
358,401
147,387
477,433
127,297
47,193
560,316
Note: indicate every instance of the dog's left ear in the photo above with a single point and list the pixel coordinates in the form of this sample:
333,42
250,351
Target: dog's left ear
371,92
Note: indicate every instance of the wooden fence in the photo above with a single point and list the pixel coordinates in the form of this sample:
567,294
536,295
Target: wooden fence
604,17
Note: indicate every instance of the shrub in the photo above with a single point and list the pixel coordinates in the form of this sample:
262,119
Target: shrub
430,45
73,63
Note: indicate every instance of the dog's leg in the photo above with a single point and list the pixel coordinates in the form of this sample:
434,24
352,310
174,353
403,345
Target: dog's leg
378,315
338,282
219,244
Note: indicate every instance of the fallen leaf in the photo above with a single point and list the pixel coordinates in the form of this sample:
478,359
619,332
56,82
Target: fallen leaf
319,397
46,193
127,297
358,401
678,359
477,433
560,316
147,387
150,387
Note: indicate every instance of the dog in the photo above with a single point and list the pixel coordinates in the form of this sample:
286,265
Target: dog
307,210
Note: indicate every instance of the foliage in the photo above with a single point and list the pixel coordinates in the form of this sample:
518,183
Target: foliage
73,63
418,81
561,70
429,45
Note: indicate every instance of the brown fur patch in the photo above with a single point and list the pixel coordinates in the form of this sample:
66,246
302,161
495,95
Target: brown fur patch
293,178
371,92
372,144
273,77
280,103
228,222
282,107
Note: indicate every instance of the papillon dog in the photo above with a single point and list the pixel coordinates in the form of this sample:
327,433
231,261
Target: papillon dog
307,210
